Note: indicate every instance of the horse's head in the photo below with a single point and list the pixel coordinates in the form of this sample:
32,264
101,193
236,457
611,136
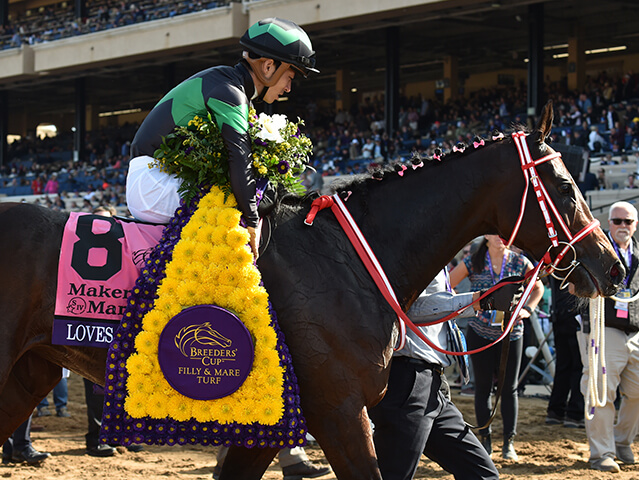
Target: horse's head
582,253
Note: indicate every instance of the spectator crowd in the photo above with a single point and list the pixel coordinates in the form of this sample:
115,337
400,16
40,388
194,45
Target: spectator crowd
603,118
55,21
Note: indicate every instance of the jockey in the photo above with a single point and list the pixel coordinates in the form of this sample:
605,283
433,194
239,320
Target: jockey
275,50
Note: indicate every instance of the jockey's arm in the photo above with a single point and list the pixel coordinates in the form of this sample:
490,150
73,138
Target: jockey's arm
231,115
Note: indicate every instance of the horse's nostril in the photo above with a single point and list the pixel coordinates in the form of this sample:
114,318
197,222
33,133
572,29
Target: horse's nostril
617,273
614,271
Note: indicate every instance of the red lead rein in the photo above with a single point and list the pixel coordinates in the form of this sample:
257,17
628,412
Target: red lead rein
375,270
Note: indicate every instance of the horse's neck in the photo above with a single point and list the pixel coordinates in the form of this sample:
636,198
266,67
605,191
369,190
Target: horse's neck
417,224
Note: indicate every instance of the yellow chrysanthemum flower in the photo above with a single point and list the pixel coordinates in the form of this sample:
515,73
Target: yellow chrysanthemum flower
219,236
221,256
136,384
154,321
228,217
190,230
180,407
156,406
237,237
135,405
202,253
258,296
139,364
202,410
237,300
229,277
147,343
220,295
185,250
256,316
242,258
205,235
268,358
187,293
168,287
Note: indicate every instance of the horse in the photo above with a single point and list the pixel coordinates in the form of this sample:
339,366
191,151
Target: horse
339,329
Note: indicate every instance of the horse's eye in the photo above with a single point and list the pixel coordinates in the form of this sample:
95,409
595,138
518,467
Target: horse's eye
565,189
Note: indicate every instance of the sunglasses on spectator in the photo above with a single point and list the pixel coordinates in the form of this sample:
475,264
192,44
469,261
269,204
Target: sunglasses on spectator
618,221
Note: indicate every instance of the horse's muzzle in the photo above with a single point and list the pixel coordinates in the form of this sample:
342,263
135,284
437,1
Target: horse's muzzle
616,274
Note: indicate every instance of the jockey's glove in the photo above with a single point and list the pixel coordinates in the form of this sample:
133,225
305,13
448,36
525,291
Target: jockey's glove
505,296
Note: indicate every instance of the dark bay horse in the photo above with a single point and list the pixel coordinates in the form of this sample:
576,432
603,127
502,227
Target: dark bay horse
338,327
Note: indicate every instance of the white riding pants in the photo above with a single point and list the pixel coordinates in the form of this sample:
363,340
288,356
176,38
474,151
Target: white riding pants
151,195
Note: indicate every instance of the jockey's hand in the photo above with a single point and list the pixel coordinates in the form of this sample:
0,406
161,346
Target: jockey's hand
253,241
505,296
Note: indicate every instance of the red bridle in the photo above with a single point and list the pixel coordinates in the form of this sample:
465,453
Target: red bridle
336,204
546,205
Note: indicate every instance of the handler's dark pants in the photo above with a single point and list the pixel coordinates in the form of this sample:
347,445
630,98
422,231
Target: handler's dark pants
19,441
95,405
566,399
486,365
414,418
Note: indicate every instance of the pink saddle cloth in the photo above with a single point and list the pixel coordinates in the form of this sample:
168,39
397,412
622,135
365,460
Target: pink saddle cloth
100,261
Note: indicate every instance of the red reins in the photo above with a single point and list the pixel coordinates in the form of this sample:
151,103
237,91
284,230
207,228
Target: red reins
348,224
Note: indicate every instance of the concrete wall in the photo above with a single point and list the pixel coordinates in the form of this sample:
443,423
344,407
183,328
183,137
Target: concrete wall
199,30
309,12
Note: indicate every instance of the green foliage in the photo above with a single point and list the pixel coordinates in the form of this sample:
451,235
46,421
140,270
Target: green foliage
196,154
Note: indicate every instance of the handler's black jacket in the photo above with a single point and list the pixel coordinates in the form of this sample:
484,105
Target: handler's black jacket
224,92
630,324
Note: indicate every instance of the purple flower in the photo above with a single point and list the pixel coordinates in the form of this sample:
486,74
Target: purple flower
249,442
283,167
188,150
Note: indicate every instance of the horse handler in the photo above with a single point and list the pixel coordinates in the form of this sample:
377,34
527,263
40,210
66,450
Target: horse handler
416,415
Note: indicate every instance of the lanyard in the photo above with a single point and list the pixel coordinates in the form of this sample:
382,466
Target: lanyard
449,289
628,256
490,266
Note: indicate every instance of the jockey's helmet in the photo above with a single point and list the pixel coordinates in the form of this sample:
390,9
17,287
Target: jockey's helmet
280,40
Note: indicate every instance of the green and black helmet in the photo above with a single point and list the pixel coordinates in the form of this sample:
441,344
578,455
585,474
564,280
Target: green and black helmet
281,40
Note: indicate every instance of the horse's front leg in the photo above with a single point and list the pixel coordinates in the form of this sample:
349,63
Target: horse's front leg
347,440
246,463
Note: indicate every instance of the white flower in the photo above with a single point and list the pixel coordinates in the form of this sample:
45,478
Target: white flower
270,127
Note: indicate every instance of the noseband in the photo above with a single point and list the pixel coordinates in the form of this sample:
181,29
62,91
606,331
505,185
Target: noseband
528,167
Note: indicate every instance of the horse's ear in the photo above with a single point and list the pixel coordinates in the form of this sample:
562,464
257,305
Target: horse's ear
544,126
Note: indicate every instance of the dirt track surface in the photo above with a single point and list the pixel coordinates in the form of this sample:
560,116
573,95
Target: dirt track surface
545,452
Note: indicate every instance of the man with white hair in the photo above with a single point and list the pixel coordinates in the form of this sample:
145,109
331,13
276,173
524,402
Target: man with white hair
606,438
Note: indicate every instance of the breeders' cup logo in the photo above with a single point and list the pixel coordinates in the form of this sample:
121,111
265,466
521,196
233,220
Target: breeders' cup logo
76,306
194,341
200,362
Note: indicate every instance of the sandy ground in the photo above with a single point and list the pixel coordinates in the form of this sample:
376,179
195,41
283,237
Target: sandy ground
545,452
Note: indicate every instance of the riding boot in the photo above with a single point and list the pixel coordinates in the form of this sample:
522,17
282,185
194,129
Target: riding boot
486,443
508,450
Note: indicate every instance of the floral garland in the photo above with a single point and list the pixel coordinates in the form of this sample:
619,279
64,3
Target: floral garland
266,409
196,153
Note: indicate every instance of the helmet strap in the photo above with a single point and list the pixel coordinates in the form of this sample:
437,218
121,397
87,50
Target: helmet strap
256,68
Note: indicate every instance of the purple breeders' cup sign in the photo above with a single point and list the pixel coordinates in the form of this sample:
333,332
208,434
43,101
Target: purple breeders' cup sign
205,352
